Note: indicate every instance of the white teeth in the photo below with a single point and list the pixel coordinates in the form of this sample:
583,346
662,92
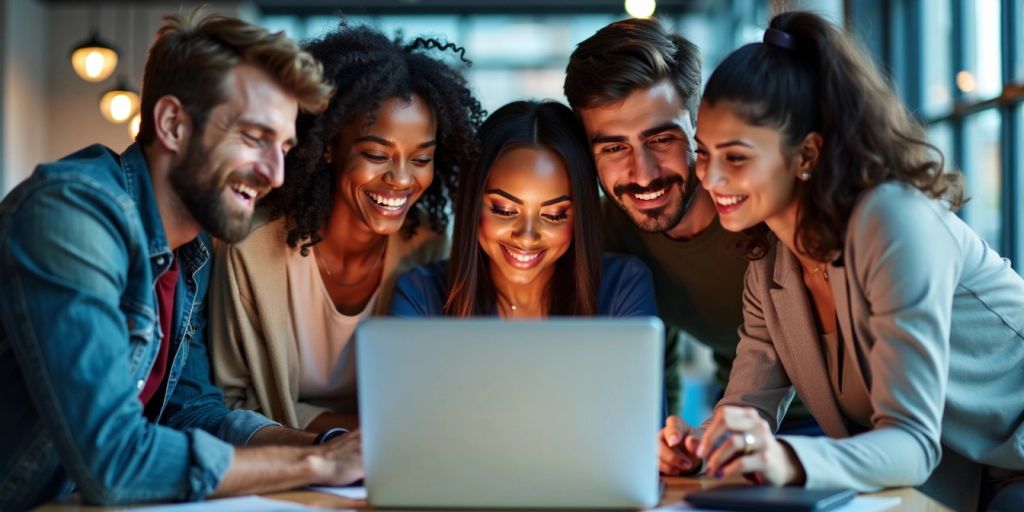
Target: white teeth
522,258
245,190
388,202
648,196
729,200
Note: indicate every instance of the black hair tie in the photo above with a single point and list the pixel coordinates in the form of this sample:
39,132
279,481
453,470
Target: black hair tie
776,37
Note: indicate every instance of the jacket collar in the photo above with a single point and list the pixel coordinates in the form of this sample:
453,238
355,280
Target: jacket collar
801,350
194,254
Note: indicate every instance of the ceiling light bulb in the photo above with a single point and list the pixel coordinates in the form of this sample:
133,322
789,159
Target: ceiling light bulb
640,8
134,124
93,59
120,103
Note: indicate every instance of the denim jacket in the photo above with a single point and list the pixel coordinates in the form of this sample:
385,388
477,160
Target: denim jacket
81,246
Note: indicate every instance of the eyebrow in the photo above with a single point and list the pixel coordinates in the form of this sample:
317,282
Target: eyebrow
516,200
727,144
384,142
664,127
292,141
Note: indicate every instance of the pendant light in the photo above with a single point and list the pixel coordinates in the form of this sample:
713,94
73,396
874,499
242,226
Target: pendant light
640,8
138,21
94,59
120,103
134,125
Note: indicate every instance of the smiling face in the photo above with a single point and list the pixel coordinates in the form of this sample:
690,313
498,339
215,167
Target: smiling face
642,149
744,169
383,168
526,222
238,156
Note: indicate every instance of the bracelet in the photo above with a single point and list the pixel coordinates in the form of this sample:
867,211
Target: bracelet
329,434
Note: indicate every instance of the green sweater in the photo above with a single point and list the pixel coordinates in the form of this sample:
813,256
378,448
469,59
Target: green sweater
699,287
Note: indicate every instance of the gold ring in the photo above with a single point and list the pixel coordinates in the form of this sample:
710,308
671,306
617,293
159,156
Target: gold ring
748,443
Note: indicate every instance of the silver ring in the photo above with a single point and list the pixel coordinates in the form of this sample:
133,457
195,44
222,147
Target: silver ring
748,443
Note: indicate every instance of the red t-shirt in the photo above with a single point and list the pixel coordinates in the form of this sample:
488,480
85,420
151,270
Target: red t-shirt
165,287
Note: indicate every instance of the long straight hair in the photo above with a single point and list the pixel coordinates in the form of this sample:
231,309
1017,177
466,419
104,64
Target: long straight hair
528,124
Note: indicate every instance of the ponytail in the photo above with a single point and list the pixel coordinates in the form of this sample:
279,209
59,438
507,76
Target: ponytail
808,76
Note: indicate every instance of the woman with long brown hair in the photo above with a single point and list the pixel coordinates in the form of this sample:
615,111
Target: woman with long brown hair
897,325
527,243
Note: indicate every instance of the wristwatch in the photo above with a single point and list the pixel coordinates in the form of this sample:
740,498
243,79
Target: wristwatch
329,434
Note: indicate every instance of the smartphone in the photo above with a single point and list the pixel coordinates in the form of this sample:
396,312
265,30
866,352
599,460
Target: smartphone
767,499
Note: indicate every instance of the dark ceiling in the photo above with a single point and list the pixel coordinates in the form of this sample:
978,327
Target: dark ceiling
427,6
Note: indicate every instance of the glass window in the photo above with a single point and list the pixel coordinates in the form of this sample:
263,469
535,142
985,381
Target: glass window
1017,68
289,24
1019,195
941,136
982,74
937,61
983,168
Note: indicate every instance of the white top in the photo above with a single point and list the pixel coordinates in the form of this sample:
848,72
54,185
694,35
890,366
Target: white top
324,338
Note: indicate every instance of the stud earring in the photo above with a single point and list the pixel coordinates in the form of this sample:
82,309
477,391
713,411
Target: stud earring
805,175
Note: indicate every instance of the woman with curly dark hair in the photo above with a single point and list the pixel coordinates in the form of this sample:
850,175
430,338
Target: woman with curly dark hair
365,194
897,325
527,241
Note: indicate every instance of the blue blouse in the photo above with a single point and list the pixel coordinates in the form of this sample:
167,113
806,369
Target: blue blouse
626,289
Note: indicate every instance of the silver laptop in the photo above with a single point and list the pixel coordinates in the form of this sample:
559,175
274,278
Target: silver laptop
485,413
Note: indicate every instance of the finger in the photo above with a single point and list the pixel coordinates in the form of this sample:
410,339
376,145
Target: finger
715,430
691,442
672,434
752,463
674,459
731,447
742,419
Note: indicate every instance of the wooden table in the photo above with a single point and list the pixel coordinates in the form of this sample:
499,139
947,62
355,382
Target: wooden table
675,489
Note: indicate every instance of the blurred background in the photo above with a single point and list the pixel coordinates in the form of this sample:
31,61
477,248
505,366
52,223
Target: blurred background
958,65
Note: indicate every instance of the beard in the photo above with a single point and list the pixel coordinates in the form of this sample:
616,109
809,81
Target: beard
658,220
202,191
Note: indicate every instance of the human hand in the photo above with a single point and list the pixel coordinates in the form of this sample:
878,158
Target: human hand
676,448
739,441
343,459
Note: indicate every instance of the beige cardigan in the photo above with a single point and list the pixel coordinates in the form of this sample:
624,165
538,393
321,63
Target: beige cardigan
254,358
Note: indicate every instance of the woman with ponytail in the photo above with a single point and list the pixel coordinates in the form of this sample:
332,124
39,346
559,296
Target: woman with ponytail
901,330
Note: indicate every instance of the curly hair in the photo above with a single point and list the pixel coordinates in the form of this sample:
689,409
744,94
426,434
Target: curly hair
367,69
826,84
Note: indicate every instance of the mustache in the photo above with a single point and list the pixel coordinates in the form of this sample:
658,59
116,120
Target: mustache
656,184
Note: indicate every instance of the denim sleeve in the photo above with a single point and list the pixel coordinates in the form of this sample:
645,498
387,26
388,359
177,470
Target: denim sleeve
195,401
65,251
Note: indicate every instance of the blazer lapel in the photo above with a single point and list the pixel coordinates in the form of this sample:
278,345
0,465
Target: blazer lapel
800,349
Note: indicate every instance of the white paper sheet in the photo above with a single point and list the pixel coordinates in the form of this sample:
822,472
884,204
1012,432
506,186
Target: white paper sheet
240,504
357,492
858,504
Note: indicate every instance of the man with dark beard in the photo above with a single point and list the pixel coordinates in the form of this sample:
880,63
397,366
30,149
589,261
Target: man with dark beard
105,262
636,86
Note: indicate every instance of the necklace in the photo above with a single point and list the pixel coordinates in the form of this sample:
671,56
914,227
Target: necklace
512,308
369,272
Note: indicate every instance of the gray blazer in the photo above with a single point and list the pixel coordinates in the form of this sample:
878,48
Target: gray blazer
936,319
